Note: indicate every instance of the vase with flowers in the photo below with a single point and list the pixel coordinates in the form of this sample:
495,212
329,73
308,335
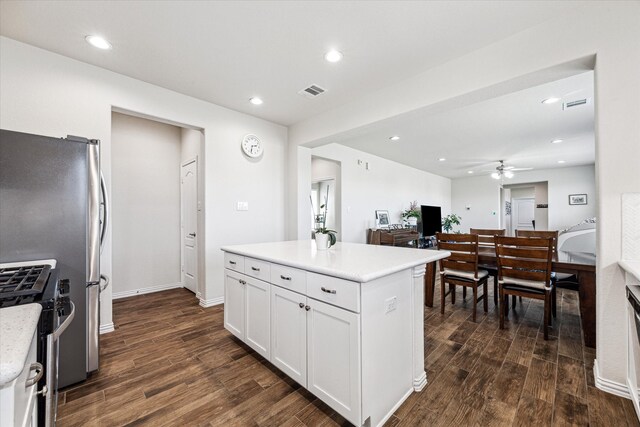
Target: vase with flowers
325,237
411,215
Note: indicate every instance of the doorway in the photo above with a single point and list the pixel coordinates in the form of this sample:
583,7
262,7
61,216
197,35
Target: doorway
326,194
155,171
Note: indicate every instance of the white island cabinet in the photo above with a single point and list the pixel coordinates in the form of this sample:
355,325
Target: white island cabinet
19,371
346,323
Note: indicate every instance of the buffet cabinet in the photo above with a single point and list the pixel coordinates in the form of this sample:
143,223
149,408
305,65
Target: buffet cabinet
316,328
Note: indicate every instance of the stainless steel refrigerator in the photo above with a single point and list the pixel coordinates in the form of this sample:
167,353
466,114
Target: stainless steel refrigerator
50,208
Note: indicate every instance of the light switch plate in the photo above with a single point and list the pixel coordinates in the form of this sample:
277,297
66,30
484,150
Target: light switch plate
390,304
242,206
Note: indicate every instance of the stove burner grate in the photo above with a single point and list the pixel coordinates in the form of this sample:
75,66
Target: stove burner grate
23,281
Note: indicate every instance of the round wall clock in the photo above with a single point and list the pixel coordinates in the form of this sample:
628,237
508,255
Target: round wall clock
252,146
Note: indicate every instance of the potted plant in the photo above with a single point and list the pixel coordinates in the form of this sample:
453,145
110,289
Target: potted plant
449,221
412,214
325,238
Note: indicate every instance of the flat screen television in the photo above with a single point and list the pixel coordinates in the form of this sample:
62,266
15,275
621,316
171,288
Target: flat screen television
431,220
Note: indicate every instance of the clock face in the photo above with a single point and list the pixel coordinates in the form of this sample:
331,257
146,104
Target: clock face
252,146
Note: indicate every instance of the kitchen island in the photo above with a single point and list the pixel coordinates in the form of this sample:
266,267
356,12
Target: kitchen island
346,323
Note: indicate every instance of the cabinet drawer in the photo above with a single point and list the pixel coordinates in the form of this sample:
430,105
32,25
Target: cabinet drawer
338,292
258,269
234,262
289,278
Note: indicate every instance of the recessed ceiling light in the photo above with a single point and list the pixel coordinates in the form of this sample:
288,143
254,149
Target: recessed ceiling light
394,138
255,100
561,161
441,159
333,56
469,171
557,141
551,100
98,42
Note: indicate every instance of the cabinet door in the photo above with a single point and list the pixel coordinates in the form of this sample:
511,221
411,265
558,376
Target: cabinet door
289,333
257,319
234,304
333,354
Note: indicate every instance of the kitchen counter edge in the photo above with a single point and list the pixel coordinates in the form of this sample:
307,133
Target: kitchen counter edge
430,256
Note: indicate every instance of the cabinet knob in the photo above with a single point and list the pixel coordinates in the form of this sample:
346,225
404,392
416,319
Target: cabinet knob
306,307
242,282
329,291
301,305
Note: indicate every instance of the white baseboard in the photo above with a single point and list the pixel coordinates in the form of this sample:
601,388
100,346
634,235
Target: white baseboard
211,302
106,328
609,386
148,290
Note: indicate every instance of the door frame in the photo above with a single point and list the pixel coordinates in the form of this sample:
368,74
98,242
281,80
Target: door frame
198,292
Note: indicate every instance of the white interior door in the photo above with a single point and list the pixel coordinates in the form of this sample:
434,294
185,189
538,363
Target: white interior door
523,211
189,209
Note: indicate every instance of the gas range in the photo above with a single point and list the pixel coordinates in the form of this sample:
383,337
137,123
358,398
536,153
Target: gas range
37,281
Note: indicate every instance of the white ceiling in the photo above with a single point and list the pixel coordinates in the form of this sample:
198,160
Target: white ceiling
516,128
227,52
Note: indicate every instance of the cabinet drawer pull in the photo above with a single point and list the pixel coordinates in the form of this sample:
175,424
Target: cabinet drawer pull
232,262
285,277
255,268
39,371
301,305
306,307
329,291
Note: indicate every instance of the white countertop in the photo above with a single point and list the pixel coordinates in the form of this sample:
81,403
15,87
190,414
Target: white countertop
632,267
351,261
17,326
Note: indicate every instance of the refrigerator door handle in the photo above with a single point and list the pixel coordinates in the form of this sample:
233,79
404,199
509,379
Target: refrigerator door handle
93,327
93,213
105,211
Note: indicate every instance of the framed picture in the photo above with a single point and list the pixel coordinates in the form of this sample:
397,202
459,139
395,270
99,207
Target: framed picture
382,219
577,199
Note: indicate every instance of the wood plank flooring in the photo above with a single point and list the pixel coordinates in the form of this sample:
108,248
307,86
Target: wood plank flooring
171,363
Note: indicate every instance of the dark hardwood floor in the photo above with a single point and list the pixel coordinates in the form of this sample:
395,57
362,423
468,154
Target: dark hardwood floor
171,363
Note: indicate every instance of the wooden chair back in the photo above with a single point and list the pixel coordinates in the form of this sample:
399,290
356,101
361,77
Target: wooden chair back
524,258
553,235
486,237
464,252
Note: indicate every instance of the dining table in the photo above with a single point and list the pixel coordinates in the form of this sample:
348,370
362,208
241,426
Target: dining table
580,264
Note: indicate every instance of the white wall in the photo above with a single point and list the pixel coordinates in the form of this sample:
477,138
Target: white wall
45,93
145,204
483,194
387,185
608,31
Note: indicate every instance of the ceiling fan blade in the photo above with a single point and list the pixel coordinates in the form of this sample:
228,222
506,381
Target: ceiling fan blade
520,169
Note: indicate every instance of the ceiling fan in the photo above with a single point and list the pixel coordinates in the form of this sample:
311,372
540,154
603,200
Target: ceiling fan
503,171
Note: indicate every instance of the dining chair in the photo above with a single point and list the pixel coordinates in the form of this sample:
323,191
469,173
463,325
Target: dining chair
461,268
486,239
557,278
524,269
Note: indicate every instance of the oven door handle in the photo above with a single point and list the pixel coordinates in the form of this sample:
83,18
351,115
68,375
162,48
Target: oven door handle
56,334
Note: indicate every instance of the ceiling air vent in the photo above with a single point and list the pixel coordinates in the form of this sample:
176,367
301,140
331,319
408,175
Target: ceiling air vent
312,91
576,103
